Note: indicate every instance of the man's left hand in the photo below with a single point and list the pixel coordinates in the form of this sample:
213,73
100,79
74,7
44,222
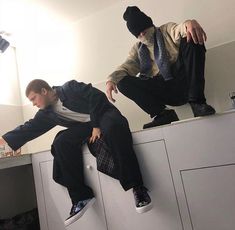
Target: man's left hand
195,32
96,133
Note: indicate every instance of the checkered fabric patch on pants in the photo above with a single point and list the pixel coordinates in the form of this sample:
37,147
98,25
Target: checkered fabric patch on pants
104,159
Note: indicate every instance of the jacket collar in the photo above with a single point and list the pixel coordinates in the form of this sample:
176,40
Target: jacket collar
60,92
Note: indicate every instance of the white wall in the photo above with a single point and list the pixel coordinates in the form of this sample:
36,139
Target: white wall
90,49
9,91
11,114
45,49
104,41
220,75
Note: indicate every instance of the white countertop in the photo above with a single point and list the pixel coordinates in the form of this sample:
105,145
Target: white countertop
8,162
24,159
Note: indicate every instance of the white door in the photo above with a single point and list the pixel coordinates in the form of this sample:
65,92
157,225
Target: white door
120,207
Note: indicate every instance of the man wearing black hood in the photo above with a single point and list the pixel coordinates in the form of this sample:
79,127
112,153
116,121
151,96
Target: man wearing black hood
169,61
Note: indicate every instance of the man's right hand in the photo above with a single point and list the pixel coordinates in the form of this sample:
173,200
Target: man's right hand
110,86
2,141
195,32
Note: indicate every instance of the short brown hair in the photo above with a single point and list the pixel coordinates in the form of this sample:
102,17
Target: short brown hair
36,86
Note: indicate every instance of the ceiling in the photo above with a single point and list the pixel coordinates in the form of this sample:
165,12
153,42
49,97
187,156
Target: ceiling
73,10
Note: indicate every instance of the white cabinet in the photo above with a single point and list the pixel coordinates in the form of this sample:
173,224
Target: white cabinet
189,168
210,197
202,158
114,208
119,205
53,200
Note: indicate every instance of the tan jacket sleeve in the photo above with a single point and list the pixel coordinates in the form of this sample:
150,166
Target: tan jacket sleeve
130,67
175,31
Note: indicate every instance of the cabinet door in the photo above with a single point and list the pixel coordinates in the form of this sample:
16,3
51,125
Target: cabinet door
58,204
210,197
203,143
120,207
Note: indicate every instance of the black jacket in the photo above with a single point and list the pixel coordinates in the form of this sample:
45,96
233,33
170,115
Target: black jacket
76,96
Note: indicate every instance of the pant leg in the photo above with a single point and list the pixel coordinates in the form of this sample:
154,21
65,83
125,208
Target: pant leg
68,161
193,57
117,135
147,94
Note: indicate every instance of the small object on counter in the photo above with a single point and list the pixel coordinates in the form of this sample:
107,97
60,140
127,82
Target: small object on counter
7,151
232,97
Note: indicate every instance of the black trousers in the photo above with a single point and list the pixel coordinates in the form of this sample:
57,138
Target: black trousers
68,157
152,95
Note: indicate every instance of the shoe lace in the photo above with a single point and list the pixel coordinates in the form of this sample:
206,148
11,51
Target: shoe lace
77,206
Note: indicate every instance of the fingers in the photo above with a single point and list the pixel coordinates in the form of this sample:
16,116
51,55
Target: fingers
110,96
91,140
195,35
94,138
204,35
111,87
200,36
115,88
96,134
2,141
189,37
195,32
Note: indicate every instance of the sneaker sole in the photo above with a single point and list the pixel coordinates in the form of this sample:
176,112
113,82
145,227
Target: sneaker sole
79,214
144,209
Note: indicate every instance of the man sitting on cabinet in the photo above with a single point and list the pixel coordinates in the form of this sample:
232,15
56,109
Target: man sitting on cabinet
88,116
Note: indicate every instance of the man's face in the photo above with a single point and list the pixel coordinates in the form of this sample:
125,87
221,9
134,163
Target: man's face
146,36
41,100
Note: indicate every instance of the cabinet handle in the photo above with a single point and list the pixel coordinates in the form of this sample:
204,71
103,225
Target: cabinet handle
89,167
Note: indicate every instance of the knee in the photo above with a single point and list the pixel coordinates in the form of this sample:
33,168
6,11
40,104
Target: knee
59,141
192,46
115,128
123,85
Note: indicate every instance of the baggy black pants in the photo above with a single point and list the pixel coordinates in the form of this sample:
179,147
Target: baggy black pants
152,95
68,157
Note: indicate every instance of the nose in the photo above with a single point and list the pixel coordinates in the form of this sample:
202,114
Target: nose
141,35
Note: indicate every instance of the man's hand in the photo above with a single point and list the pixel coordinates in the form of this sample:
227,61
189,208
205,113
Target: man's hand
2,141
110,86
96,133
5,149
195,32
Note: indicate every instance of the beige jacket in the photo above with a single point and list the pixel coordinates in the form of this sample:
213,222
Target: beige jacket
172,33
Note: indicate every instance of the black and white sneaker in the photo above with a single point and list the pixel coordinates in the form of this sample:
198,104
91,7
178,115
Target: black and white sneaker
78,210
165,117
142,199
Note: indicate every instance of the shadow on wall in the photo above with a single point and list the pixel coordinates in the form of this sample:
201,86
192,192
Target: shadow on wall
220,76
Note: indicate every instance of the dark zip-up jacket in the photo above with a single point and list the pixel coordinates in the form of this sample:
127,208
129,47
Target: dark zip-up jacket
76,96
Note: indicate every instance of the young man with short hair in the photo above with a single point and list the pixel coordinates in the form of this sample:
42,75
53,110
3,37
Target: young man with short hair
88,115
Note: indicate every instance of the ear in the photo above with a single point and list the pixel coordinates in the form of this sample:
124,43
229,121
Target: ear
44,91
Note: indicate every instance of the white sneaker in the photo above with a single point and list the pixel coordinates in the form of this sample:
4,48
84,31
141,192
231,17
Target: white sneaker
142,199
